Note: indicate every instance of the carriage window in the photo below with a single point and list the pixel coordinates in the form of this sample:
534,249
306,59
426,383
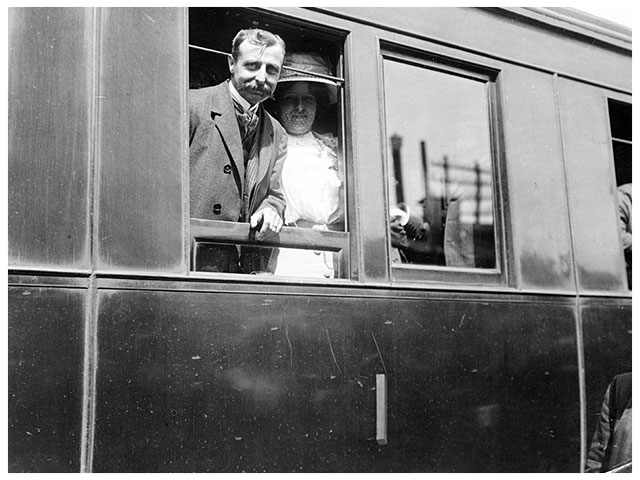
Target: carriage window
620,122
306,185
441,188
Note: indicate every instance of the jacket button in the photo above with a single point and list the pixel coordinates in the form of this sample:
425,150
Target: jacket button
227,169
217,208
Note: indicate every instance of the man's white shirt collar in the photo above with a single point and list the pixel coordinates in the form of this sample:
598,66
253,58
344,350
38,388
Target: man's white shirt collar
246,106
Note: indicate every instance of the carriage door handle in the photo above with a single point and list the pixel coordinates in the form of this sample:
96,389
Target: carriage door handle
381,409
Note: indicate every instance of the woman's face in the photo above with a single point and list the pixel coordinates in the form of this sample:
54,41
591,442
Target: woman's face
297,108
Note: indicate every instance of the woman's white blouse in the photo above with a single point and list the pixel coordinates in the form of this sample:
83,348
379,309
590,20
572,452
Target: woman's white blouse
310,181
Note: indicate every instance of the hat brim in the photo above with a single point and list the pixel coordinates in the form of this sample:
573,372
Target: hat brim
332,87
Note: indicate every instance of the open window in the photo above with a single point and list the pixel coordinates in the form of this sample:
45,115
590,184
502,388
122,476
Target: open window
442,162
314,242
620,124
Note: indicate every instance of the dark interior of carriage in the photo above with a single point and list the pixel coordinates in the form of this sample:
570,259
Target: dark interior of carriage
214,28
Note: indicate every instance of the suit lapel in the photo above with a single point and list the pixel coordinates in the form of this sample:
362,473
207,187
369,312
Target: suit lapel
264,156
224,116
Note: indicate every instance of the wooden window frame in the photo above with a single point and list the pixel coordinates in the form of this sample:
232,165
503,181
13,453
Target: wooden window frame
434,274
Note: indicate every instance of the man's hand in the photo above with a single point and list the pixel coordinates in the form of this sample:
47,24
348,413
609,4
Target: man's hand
269,222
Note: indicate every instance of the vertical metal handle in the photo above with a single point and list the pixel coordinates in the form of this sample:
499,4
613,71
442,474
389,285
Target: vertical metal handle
381,409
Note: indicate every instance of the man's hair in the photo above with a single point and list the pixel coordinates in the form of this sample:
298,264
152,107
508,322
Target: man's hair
257,37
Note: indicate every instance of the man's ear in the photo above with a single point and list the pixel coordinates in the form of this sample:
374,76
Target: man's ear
231,64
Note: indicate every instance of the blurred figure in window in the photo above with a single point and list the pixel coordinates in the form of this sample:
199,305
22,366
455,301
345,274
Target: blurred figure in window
468,239
624,211
458,234
410,236
611,445
460,239
311,176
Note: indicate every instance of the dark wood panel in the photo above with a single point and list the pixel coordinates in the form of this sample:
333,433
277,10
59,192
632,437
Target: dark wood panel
478,387
45,367
190,385
142,139
591,184
233,382
538,204
50,107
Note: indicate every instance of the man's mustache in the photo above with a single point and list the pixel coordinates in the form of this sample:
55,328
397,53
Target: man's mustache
263,89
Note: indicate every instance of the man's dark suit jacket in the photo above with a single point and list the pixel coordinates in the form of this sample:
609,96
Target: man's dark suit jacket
216,162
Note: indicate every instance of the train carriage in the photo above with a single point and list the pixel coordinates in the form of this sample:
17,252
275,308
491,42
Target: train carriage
125,357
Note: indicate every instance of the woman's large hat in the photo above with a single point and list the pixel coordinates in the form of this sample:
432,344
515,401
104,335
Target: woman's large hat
310,64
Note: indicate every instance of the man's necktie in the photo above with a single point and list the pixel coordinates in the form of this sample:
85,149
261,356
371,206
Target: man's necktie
248,123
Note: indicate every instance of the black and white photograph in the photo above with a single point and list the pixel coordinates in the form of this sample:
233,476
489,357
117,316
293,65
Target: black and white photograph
319,240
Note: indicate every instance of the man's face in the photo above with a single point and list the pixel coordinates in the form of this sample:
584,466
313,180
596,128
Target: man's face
256,71
298,108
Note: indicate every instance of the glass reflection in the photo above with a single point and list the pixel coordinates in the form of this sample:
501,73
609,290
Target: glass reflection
440,173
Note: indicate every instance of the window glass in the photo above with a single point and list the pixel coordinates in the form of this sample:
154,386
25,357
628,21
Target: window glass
441,190
620,122
306,184
620,118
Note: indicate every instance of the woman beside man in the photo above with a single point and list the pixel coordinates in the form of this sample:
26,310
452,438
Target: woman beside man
311,176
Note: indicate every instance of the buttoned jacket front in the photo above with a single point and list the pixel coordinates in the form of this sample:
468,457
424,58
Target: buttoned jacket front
216,162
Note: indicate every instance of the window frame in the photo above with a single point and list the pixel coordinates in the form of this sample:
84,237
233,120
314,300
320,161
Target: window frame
490,75
224,232
615,140
624,102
